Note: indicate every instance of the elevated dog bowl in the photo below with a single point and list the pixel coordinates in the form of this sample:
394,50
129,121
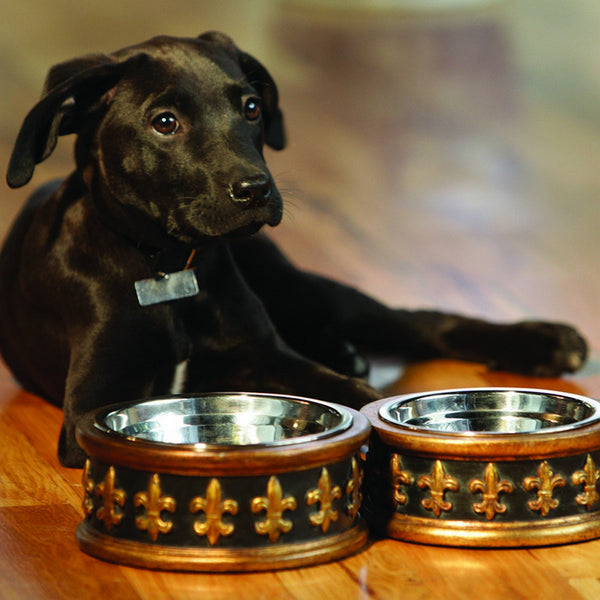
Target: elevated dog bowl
484,467
222,482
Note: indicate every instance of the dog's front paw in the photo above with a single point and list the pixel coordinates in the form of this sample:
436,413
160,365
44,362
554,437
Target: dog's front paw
348,361
542,349
339,354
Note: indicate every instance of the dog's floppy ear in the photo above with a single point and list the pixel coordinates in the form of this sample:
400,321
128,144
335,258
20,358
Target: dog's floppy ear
260,78
70,89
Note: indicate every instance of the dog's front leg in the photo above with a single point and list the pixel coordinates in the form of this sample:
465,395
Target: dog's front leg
237,347
327,321
119,360
272,367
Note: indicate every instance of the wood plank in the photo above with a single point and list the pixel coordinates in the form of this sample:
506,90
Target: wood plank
26,479
588,587
40,558
325,582
382,573
173,586
492,574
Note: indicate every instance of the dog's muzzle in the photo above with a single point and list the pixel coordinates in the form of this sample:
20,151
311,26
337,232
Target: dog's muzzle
252,193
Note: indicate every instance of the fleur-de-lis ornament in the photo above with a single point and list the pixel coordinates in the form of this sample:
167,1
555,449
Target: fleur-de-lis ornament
353,489
274,504
491,487
325,494
400,478
438,483
588,478
154,503
214,508
545,483
88,489
108,512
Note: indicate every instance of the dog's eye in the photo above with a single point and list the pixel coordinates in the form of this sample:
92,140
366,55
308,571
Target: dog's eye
166,123
252,108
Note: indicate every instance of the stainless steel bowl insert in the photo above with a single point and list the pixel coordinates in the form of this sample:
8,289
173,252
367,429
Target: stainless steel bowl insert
227,419
491,411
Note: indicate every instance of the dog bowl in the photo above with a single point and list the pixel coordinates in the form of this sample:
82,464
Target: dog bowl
484,467
222,482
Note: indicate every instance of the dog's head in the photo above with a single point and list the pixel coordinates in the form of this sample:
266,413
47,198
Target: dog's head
170,136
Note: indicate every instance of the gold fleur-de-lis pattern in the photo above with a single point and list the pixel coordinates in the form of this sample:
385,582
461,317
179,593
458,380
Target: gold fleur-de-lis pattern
154,504
400,479
438,482
213,508
324,495
274,505
544,483
588,477
111,497
87,482
491,487
333,495
490,490
353,488
273,512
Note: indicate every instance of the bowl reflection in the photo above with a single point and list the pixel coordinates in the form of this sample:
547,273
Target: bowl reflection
491,411
227,419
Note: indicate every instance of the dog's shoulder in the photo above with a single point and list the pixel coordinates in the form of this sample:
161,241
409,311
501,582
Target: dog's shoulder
41,218
57,223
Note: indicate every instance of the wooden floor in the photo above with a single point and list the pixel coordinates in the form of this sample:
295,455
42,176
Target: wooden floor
437,161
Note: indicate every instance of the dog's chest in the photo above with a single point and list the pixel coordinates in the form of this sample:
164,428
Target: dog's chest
208,305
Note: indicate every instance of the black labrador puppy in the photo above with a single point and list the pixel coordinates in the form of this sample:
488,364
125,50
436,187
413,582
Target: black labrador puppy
138,275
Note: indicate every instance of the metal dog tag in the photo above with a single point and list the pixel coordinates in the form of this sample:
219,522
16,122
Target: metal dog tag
167,287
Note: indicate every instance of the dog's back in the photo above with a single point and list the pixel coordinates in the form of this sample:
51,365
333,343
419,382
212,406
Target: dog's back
31,344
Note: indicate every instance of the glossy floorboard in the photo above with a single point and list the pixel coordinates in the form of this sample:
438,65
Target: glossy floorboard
437,161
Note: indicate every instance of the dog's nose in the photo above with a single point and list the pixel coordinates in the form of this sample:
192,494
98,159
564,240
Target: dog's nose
251,192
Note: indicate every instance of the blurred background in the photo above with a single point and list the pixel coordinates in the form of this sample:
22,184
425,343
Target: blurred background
440,154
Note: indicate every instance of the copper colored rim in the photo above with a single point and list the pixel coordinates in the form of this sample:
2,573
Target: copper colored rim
509,446
144,455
